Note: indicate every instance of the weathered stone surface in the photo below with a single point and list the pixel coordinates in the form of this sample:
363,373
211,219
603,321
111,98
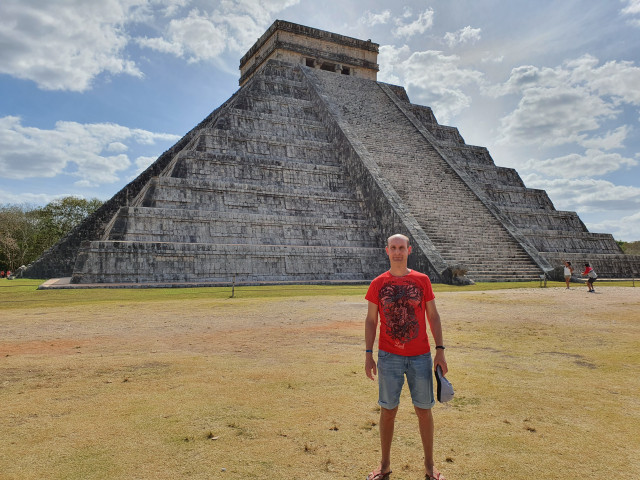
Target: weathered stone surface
302,174
297,44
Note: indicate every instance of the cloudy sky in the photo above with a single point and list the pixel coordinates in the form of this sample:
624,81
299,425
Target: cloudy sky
91,92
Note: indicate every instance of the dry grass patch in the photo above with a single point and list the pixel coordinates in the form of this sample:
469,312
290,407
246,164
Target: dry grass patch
197,385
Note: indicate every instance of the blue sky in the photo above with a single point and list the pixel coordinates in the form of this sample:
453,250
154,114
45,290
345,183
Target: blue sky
92,92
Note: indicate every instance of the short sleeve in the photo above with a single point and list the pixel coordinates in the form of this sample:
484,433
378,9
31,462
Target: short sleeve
372,292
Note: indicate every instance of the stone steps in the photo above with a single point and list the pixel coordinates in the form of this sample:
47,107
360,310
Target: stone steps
446,209
530,210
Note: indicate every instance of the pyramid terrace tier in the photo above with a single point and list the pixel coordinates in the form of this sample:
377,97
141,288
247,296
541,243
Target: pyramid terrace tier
167,192
196,226
492,175
260,170
247,123
143,262
292,108
220,141
541,219
576,242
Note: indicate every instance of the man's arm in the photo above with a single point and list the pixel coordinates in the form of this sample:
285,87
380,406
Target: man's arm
370,330
436,331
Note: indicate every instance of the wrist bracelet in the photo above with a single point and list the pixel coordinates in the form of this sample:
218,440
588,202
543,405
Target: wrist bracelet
368,351
440,347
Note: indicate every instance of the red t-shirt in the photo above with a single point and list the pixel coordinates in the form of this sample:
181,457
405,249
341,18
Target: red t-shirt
402,309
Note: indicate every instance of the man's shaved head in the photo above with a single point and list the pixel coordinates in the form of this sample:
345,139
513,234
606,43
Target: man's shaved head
398,235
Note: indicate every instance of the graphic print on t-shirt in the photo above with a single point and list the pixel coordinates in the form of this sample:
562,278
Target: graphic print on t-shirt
399,303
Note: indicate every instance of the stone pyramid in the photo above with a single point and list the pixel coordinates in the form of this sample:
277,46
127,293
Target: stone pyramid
301,175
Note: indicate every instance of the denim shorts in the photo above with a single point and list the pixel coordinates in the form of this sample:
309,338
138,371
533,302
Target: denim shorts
391,372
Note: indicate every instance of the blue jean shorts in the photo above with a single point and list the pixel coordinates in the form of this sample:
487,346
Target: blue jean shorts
391,372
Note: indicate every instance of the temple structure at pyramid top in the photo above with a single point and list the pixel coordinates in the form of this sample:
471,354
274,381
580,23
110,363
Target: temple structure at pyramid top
297,44
303,173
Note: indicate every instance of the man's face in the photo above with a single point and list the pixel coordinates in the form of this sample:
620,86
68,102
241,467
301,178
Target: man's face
398,250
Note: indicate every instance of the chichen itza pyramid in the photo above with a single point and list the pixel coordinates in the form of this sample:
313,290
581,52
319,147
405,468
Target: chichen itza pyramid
301,175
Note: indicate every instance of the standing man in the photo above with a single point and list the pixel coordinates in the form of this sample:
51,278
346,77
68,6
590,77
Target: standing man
403,298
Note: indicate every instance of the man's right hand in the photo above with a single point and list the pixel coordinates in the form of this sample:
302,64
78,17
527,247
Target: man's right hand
370,367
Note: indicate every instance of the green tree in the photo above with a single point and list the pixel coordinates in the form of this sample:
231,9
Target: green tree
18,230
26,232
631,248
59,217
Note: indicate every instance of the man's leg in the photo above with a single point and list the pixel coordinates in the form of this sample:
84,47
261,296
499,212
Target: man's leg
387,424
425,422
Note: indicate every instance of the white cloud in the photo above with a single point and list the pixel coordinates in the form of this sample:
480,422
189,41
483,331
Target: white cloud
79,150
593,163
554,115
462,36
420,25
161,45
31,199
64,46
431,78
141,165
371,19
610,140
618,79
624,228
632,10
195,37
587,195
209,30
562,105
116,147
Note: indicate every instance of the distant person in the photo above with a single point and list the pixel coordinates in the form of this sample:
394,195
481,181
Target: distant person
2,274
591,277
568,271
402,298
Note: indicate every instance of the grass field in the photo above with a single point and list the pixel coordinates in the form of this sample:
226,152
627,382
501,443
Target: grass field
189,383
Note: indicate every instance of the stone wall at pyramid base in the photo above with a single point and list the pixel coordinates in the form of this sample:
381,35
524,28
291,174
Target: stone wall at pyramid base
605,265
156,262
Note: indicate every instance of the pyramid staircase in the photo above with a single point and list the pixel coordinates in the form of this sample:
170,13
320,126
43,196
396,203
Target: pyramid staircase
461,228
556,236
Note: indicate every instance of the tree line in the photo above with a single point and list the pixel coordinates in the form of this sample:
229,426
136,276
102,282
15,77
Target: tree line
26,232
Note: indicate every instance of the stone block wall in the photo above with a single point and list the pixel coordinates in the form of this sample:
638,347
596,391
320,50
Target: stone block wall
261,196
293,43
182,263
